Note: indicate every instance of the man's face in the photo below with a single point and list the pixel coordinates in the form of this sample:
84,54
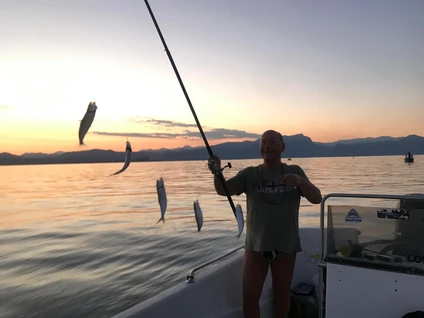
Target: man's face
271,145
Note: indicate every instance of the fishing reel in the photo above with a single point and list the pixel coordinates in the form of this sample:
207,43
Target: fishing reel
228,165
213,167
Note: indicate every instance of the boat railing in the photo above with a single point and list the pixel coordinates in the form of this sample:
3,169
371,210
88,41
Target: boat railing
322,264
190,276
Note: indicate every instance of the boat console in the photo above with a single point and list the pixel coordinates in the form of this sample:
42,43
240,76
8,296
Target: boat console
373,264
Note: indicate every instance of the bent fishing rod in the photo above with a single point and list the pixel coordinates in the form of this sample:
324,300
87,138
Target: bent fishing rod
212,164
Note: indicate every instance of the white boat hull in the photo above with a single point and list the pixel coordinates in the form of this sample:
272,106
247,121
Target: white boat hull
362,292
217,290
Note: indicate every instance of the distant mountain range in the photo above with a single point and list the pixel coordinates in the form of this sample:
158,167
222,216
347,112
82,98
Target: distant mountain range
297,146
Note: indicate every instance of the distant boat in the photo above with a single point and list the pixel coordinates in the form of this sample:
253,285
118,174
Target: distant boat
289,159
409,158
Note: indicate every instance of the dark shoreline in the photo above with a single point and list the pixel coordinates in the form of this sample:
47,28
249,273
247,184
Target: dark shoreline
33,161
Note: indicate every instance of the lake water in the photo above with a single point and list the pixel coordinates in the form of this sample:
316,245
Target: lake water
75,242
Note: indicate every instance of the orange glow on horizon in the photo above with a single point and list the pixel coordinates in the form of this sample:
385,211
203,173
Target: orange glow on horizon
19,147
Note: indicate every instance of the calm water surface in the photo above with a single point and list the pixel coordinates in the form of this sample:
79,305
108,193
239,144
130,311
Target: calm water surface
75,242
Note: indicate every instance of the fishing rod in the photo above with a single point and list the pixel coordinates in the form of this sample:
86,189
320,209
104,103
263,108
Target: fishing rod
211,162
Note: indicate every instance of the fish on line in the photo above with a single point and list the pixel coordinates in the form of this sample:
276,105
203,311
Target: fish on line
160,189
240,220
86,122
198,215
128,151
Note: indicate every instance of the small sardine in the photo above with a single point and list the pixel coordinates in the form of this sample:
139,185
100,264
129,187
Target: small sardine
240,220
127,162
86,121
198,215
160,187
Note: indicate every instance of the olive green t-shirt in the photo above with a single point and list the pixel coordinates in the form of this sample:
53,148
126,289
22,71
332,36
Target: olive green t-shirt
272,221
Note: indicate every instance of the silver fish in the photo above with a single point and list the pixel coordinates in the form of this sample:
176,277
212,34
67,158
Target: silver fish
160,187
86,121
198,215
128,151
240,220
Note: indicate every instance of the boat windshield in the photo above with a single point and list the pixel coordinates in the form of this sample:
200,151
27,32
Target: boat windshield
376,237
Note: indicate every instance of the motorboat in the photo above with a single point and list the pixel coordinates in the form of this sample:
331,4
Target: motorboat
409,158
358,263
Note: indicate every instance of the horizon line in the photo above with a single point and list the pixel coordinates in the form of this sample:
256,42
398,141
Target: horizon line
194,147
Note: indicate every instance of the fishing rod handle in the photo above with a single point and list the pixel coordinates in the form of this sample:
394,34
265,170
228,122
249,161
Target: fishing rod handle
213,166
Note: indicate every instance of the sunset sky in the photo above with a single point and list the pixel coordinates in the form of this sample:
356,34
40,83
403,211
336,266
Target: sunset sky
328,69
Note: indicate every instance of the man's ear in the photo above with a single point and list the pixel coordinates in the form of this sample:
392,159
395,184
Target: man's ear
283,147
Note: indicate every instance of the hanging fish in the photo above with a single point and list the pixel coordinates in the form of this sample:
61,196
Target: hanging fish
198,215
86,122
160,187
128,151
240,220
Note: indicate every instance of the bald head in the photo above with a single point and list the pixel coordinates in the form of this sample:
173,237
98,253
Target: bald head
271,146
274,133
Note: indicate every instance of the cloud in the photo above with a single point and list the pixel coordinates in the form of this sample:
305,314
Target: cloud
160,122
138,135
169,129
223,133
213,134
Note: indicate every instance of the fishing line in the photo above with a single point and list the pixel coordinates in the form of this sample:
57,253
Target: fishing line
208,148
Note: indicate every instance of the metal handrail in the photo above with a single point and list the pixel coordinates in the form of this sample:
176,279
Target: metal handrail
322,243
190,276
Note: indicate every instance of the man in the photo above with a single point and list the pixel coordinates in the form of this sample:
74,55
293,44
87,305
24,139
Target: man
273,190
